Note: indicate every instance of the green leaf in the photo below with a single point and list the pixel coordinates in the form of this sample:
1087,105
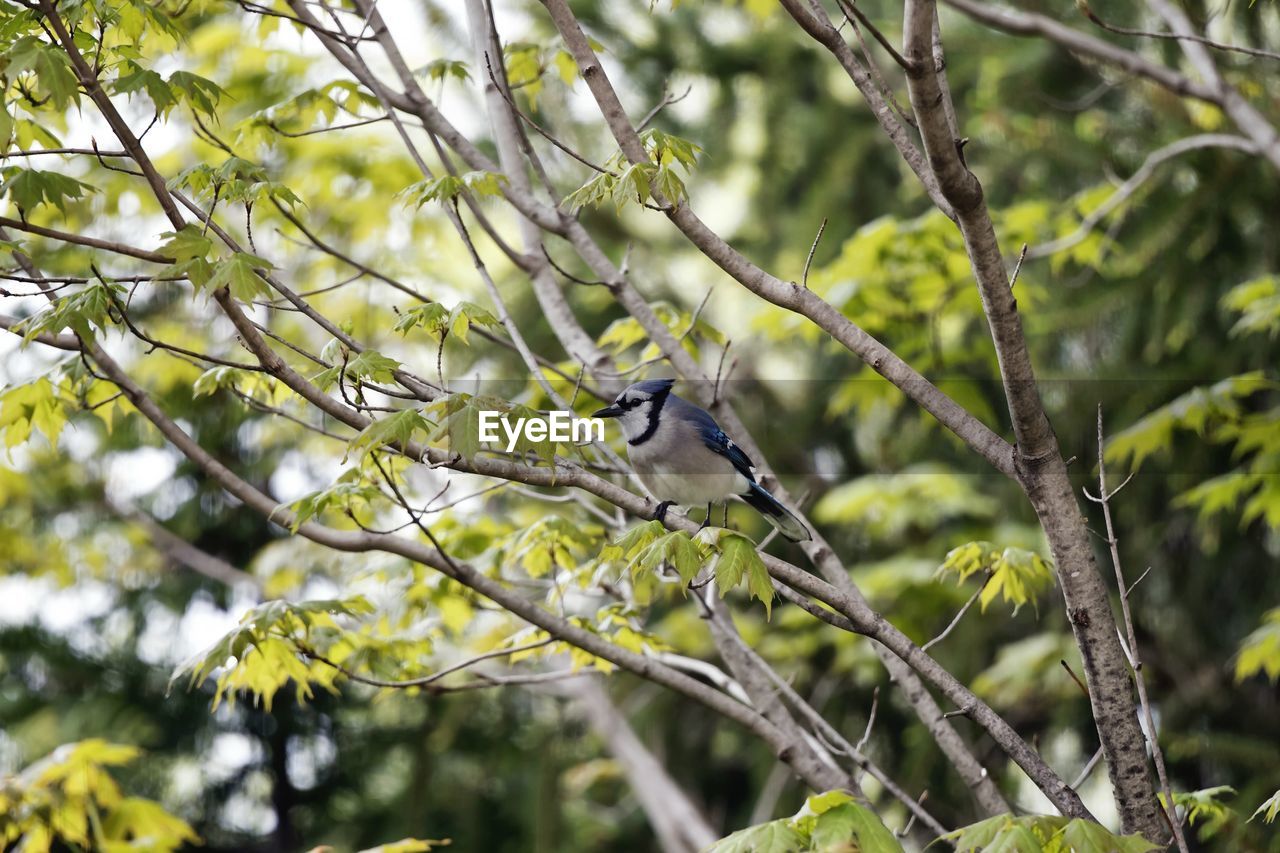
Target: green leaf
464,430
629,545
1258,303
239,274
1015,838
759,585
888,507
433,317
200,93
346,493
566,67
737,553
369,364
132,77
439,69
591,194
684,555
855,827
1269,809
56,79
30,188
524,69
261,654
1205,807
217,378
1016,575
6,128
774,837
84,311
186,244
446,188
1028,834
135,818
1085,836
676,549
398,429
1260,651
1196,411
822,803
33,405
467,314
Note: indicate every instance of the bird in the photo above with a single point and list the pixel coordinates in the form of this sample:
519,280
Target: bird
683,457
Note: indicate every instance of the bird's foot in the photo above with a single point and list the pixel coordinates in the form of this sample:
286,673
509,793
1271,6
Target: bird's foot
660,513
705,521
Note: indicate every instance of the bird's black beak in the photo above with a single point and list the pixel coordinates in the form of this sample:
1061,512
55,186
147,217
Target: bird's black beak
607,412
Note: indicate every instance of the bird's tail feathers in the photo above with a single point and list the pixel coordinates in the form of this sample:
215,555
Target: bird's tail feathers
759,499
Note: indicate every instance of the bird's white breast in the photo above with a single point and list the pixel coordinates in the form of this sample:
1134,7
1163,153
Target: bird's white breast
675,465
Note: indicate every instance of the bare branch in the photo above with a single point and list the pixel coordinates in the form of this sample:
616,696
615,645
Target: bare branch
1030,24
808,262
850,8
960,615
90,242
1088,12
1153,741
667,100
1135,182
1040,468
1251,122
183,552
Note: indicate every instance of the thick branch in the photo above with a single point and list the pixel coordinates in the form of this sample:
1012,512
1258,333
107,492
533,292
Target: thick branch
1041,470
89,242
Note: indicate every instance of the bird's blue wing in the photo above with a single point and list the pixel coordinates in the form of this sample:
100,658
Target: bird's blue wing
713,437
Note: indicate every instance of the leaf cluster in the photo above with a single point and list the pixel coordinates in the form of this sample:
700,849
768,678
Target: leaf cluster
827,823
623,182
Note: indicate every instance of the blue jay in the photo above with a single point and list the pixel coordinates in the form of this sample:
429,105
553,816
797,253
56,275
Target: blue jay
683,457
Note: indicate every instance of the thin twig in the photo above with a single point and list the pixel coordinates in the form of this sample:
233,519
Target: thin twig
1088,12
667,100
1074,677
871,720
808,262
960,615
330,129
543,132
1135,182
851,8
1135,661
1088,768
1017,268
1128,592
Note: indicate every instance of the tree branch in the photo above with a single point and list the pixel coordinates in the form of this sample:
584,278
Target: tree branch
1104,498
1135,182
1041,470
1020,23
